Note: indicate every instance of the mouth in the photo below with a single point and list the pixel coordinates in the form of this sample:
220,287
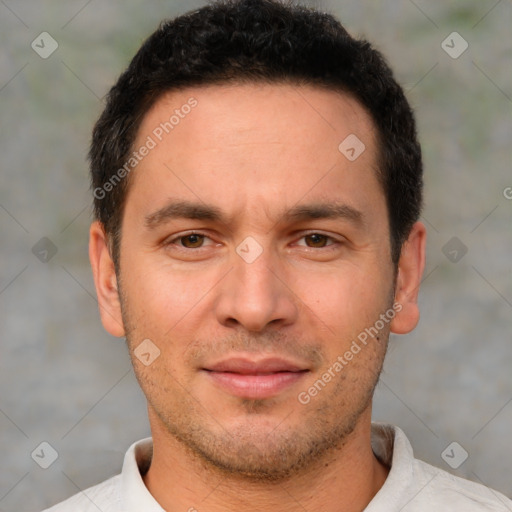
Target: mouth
255,379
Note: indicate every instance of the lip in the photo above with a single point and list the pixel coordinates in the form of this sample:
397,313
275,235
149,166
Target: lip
255,379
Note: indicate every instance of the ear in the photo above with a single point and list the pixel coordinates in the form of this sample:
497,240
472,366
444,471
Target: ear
410,270
105,280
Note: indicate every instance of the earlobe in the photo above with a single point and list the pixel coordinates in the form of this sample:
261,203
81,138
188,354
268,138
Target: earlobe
410,271
105,280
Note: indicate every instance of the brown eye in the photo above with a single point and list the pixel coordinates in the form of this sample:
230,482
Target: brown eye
317,239
192,241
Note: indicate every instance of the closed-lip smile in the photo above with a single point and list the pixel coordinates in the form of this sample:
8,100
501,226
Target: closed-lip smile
253,378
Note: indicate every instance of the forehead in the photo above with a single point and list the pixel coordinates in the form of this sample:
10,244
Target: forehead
256,143
257,111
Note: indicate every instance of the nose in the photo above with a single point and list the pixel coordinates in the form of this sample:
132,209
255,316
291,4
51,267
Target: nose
256,293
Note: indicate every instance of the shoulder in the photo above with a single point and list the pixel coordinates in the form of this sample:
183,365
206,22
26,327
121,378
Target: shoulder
104,496
415,486
444,491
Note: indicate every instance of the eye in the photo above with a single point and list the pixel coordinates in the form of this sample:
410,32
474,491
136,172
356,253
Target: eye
318,240
189,241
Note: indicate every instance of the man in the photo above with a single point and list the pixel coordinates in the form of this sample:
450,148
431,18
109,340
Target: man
258,184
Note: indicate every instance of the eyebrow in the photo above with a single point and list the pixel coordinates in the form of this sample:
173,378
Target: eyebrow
201,211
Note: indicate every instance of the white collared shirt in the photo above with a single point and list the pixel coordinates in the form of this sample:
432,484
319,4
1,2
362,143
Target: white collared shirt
411,485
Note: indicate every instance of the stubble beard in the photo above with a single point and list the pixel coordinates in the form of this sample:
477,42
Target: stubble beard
254,450
254,455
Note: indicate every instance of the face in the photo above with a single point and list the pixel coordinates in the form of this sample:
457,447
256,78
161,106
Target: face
255,257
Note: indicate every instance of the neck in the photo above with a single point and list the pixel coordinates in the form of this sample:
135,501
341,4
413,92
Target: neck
351,475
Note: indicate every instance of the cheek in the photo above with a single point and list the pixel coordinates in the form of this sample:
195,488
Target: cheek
345,301
166,305
162,290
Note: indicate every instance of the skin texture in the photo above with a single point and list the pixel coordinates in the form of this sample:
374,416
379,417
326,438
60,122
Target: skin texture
256,151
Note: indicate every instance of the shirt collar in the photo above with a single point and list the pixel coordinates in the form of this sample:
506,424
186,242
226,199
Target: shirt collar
391,446
134,493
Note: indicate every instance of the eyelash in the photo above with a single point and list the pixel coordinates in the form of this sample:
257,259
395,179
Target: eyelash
188,249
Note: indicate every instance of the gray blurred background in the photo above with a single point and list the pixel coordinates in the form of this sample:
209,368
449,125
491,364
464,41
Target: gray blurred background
66,382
